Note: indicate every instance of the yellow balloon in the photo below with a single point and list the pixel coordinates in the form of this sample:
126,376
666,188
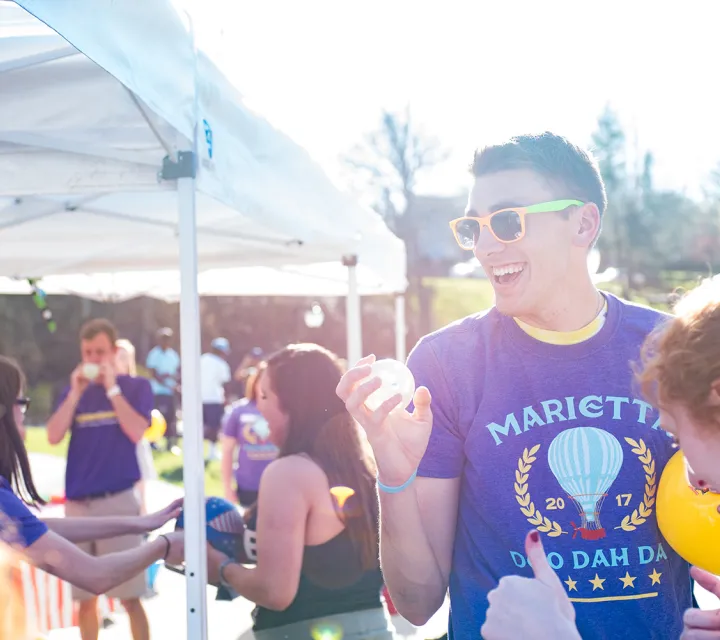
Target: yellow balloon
157,427
688,517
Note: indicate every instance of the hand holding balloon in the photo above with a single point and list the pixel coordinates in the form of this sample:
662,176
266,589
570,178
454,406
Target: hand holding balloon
398,438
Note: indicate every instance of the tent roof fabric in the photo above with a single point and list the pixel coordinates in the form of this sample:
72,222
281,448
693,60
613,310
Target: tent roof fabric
83,138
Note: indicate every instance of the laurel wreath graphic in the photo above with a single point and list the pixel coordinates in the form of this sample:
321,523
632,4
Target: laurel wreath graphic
644,510
522,495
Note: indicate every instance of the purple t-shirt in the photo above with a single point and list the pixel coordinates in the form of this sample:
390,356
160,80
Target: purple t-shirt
256,451
18,525
555,438
101,458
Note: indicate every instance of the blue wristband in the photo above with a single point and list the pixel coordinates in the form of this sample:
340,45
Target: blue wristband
385,489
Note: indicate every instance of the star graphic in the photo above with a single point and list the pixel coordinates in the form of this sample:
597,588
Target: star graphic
627,580
655,577
597,583
571,584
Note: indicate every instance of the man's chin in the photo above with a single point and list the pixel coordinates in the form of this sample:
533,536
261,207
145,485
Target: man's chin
509,305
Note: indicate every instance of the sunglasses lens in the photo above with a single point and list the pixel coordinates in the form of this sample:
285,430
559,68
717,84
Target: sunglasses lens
467,232
507,226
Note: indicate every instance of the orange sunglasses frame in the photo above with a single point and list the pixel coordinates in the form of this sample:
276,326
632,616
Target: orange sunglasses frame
544,207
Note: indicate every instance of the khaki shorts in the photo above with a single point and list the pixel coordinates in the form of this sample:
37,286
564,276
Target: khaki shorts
120,504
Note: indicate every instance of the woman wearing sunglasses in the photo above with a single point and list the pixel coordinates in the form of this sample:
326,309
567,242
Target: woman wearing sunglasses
680,373
47,543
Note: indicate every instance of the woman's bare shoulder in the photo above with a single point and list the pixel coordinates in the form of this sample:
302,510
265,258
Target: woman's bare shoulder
300,470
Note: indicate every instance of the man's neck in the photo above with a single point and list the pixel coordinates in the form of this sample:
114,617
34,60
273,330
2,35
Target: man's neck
567,312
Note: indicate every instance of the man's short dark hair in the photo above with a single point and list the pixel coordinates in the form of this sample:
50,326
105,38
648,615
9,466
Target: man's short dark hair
569,168
93,328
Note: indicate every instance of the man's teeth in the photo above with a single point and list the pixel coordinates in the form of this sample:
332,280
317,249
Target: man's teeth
510,268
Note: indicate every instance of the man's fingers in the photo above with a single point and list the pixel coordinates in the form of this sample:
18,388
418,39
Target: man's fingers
699,634
366,360
421,402
706,580
699,619
383,411
350,379
539,562
356,400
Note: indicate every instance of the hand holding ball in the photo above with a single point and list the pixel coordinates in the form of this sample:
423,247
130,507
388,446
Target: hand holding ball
226,532
395,378
225,529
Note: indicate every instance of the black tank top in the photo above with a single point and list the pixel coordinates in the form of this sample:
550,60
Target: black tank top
332,581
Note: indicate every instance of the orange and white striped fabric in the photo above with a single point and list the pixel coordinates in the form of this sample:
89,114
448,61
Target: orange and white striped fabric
48,601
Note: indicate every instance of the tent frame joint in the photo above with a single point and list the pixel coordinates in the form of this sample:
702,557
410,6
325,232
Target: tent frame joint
184,167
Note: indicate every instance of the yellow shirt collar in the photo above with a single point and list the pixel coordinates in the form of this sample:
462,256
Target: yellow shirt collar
566,337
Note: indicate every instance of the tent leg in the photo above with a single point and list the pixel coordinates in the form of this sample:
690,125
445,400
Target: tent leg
400,329
353,313
193,467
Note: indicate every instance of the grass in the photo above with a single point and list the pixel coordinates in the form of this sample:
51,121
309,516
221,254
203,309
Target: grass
168,466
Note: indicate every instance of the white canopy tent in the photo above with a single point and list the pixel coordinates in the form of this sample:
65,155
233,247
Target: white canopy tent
100,169
326,279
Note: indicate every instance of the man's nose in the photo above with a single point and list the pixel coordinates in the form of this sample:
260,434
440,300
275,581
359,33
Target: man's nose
487,244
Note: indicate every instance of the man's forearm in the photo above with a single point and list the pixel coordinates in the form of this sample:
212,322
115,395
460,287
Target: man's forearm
411,571
60,422
90,529
131,422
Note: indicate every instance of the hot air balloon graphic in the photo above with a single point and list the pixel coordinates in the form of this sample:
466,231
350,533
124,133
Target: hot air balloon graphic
586,461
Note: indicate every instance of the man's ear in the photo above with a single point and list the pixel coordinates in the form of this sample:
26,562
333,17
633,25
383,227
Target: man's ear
586,226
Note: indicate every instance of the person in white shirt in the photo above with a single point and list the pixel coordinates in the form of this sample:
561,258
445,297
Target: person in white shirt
215,374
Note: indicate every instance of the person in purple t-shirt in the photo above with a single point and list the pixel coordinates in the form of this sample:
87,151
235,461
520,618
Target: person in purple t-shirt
247,432
106,415
535,422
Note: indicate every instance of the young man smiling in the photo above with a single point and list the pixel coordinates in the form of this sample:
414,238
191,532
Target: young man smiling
534,420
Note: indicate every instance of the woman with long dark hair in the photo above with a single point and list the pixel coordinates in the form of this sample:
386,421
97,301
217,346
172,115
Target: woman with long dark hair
48,543
316,519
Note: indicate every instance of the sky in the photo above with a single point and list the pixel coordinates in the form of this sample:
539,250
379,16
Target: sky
475,72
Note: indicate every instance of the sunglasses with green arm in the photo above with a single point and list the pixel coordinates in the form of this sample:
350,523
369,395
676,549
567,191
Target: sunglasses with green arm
506,225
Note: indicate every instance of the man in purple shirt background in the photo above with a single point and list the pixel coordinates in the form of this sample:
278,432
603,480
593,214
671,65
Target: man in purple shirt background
106,416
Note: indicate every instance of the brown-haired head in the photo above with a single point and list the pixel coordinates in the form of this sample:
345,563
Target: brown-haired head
14,463
566,166
304,378
98,340
93,328
680,360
